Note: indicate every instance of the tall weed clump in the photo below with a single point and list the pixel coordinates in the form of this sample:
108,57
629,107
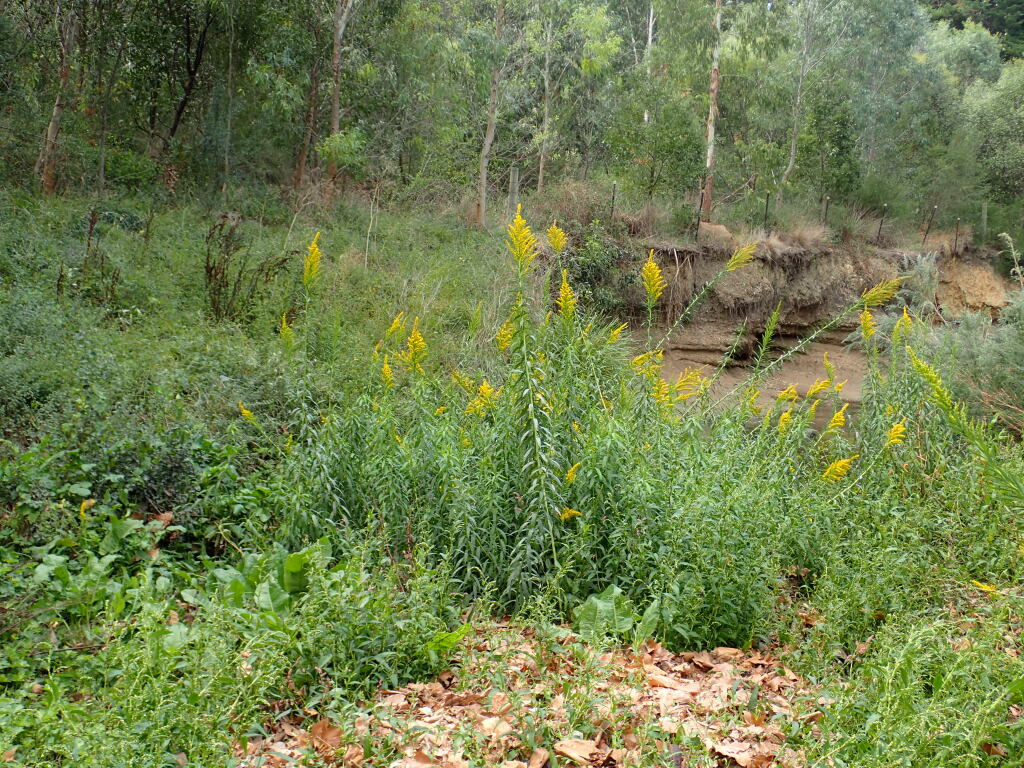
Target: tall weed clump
564,462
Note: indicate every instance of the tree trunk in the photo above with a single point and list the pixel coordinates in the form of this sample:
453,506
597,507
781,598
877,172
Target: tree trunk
807,22
192,68
709,168
342,11
492,121
546,124
108,89
46,164
647,53
307,134
231,99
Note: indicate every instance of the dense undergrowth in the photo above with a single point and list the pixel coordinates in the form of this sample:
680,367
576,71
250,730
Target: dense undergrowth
211,523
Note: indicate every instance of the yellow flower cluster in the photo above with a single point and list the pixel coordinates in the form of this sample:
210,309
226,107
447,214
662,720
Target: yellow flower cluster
867,324
752,395
897,433
839,469
615,333
940,395
660,392
880,294
784,418
503,338
652,278
902,327
522,243
830,370
463,381
566,300
387,374
568,514
570,476
818,387
741,257
286,330
311,265
557,238
648,364
415,351
485,399
688,384
789,393
246,413
838,420
397,325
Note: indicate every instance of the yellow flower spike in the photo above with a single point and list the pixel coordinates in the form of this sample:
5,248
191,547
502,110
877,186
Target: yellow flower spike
688,384
311,264
784,420
576,425
615,333
838,420
752,396
660,392
818,387
984,587
503,338
839,386
397,325
589,328
376,349
485,398
880,294
789,393
85,507
557,238
830,370
387,374
741,257
902,327
867,324
652,279
463,381
570,476
568,514
415,351
246,413
521,241
566,300
897,433
889,410
648,364
441,409
813,409
286,331
837,470
940,395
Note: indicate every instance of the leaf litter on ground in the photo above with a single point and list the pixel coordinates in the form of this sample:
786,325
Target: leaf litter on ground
521,698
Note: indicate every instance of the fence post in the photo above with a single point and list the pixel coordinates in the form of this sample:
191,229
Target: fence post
885,210
611,215
767,198
513,190
956,238
984,222
828,202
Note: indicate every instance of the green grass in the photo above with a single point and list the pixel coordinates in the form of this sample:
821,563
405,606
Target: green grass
177,574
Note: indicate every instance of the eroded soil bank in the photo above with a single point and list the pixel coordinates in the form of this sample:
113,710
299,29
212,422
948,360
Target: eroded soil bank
811,284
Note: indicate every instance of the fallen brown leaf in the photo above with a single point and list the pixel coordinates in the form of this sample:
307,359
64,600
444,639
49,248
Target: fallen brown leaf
580,751
539,758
